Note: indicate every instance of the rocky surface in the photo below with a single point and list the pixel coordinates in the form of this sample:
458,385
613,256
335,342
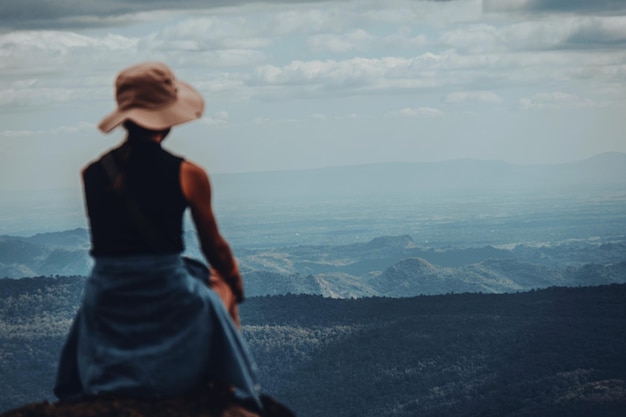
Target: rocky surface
200,404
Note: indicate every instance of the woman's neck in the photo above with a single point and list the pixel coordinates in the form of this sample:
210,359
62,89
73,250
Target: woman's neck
145,139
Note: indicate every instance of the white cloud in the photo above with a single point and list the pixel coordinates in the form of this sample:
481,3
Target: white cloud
56,52
405,38
19,133
603,30
266,121
355,72
556,6
79,127
419,112
217,119
474,38
59,42
440,13
449,68
246,46
210,33
41,96
357,40
562,32
555,100
24,83
337,116
305,20
60,130
87,65
481,96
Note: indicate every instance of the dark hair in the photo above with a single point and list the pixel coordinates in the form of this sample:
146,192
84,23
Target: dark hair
122,155
136,131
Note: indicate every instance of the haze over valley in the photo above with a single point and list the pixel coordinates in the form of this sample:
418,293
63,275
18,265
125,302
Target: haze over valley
389,230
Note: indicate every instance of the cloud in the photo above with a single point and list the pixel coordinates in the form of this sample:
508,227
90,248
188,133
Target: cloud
60,42
360,40
57,14
480,96
49,52
219,119
24,83
571,32
429,71
60,130
555,100
365,74
41,96
354,41
245,54
418,113
266,121
606,31
211,33
45,67
61,14
556,6
339,116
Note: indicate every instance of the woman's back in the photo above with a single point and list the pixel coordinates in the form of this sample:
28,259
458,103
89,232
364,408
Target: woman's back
150,177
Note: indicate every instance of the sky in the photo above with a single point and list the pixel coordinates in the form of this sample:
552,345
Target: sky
301,85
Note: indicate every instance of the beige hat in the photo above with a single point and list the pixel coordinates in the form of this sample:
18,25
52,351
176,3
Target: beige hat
150,95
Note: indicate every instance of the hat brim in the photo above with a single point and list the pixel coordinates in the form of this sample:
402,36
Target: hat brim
188,106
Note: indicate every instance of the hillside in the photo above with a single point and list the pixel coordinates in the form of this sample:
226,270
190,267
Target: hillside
391,266
557,351
405,178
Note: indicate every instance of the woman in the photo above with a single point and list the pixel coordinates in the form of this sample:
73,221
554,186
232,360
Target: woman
146,327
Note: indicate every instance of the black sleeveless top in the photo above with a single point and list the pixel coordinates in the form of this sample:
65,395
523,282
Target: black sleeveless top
152,179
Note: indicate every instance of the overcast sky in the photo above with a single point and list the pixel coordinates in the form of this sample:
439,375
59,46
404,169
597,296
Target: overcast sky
292,85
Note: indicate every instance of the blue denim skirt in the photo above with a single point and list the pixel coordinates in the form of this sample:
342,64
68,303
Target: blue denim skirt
149,329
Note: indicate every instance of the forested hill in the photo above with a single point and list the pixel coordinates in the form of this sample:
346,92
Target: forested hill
551,352
393,266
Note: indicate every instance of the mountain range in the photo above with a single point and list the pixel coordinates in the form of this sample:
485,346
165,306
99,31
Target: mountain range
405,178
392,266
333,231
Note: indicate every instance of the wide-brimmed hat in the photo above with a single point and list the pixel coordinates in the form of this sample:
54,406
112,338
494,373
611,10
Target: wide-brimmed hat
150,95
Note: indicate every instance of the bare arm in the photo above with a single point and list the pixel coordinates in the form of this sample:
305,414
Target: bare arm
197,190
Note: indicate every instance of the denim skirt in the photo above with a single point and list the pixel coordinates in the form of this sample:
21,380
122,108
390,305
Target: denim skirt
149,329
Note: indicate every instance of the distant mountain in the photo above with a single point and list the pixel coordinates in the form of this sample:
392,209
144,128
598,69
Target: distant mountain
70,239
594,274
392,266
520,274
46,254
415,276
395,266
405,178
360,258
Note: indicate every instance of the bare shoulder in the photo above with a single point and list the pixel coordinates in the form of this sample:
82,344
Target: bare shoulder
192,168
192,171
194,180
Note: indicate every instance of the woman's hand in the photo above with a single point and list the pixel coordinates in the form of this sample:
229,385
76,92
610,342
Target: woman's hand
219,285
